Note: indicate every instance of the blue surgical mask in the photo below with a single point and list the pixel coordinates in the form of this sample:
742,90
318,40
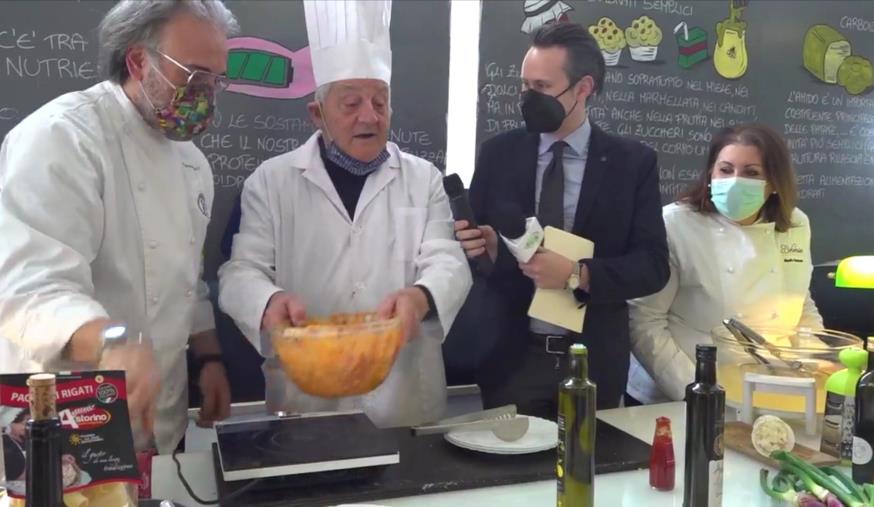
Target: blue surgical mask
737,198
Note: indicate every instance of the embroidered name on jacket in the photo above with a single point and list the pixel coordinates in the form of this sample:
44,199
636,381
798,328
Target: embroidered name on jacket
791,250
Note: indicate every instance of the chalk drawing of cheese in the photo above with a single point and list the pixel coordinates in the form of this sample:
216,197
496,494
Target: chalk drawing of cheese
263,68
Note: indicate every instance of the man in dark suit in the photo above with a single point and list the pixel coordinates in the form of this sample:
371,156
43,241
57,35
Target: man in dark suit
571,175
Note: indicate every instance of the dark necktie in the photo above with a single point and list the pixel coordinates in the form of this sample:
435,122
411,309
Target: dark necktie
551,208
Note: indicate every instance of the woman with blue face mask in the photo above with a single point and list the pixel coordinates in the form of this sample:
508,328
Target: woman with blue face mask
738,248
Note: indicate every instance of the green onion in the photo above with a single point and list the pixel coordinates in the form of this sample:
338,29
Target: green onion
869,490
812,475
781,490
847,483
809,483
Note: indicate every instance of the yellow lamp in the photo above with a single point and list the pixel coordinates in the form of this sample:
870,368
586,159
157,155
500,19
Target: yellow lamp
856,272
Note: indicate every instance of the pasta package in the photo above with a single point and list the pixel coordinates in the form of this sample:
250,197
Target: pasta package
104,495
98,464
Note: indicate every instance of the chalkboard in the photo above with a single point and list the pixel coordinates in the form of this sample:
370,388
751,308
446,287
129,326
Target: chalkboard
673,94
49,47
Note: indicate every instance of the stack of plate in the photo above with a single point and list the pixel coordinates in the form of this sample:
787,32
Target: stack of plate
542,435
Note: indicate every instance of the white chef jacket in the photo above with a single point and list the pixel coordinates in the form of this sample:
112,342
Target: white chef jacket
102,216
296,235
719,270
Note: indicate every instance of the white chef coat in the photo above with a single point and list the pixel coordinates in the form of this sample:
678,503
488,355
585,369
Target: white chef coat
102,216
719,270
296,235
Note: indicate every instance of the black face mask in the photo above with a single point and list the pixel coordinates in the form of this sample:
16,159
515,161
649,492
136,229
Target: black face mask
543,113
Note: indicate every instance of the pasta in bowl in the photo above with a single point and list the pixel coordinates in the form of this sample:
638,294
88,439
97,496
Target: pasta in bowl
341,355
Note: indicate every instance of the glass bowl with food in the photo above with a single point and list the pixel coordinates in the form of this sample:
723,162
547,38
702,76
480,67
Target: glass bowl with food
342,355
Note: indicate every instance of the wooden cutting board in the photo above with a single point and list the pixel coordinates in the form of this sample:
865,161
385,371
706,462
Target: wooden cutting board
737,438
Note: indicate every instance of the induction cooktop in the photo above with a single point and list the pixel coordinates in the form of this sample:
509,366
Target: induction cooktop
302,444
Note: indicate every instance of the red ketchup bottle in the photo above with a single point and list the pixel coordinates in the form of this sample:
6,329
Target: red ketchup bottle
661,458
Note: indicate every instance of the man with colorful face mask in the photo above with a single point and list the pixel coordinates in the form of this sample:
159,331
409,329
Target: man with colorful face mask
573,176
349,223
738,248
104,204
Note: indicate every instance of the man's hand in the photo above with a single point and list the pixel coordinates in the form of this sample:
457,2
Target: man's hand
549,270
143,382
86,343
410,305
216,394
476,241
283,308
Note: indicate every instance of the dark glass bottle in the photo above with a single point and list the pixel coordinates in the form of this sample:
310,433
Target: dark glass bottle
45,487
575,469
705,425
863,427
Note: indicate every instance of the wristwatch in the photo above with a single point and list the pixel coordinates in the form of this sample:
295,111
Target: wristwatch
582,296
573,281
114,335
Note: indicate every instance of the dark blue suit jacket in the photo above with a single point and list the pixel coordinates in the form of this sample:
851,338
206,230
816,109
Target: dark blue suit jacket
619,210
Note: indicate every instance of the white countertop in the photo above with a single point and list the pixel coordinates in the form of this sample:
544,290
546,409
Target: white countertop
631,489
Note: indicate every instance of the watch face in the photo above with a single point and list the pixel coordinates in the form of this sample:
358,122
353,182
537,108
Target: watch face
573,282
114,335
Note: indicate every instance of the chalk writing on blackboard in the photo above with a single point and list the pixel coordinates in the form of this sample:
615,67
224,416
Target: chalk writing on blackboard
666,6
8,113
857,23
55,60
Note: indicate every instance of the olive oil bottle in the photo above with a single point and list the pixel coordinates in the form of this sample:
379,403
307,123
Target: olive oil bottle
575,469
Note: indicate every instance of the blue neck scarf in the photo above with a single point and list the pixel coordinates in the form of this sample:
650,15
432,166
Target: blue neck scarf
351,164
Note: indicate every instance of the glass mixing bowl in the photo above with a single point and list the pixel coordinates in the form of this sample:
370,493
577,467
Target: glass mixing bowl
800,353
342,355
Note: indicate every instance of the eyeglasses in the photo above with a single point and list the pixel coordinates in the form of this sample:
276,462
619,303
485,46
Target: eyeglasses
200,78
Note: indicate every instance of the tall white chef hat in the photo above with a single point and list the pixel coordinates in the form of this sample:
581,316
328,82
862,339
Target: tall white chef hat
349,39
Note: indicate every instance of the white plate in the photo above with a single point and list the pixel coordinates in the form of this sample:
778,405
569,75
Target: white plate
542,435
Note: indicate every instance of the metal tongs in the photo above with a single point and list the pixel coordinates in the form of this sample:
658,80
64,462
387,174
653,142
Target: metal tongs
503,421
747,336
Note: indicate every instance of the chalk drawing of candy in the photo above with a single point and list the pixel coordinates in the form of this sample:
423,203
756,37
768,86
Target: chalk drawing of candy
263,68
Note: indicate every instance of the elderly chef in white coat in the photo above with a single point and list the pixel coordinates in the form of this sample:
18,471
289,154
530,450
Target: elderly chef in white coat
738,248
104,203
347,223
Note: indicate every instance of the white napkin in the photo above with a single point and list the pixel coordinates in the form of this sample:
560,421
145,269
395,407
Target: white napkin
524,247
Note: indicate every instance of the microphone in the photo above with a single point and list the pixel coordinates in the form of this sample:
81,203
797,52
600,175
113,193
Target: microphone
461,210
511,221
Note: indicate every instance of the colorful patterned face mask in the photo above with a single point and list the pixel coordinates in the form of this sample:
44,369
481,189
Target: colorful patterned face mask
189,111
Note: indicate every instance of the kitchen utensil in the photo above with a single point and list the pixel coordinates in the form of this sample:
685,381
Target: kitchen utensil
752,336
743,340
503,421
